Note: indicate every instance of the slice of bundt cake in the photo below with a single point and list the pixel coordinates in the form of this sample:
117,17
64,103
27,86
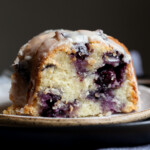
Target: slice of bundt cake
62,73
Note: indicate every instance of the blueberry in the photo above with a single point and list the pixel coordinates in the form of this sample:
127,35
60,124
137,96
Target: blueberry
82,51
106,77
110,77
49,100
80,66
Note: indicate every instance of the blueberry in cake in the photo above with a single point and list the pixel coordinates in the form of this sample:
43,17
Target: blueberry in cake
63,73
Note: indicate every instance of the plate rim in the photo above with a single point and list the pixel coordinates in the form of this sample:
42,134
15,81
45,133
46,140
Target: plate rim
12,120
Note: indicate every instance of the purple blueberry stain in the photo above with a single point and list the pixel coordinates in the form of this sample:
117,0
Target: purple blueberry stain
108,106
80,66
81,50
80,63
65,110
109,77
48,103
101,94
106,77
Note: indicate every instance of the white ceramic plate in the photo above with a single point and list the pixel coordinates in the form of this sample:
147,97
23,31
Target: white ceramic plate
141,114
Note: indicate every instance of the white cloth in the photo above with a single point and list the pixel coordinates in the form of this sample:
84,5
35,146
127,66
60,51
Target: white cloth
4,87
5,84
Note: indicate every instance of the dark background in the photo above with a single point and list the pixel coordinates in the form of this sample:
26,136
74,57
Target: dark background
127,20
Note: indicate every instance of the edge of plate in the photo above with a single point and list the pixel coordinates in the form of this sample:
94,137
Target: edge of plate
26,121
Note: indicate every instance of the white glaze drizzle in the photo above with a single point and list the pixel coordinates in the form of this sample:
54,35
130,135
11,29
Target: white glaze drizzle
48,40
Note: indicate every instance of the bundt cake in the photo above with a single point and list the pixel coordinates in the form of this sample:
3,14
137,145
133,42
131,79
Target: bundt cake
63,73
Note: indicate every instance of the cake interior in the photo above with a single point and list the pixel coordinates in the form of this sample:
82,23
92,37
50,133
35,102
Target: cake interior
88,82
